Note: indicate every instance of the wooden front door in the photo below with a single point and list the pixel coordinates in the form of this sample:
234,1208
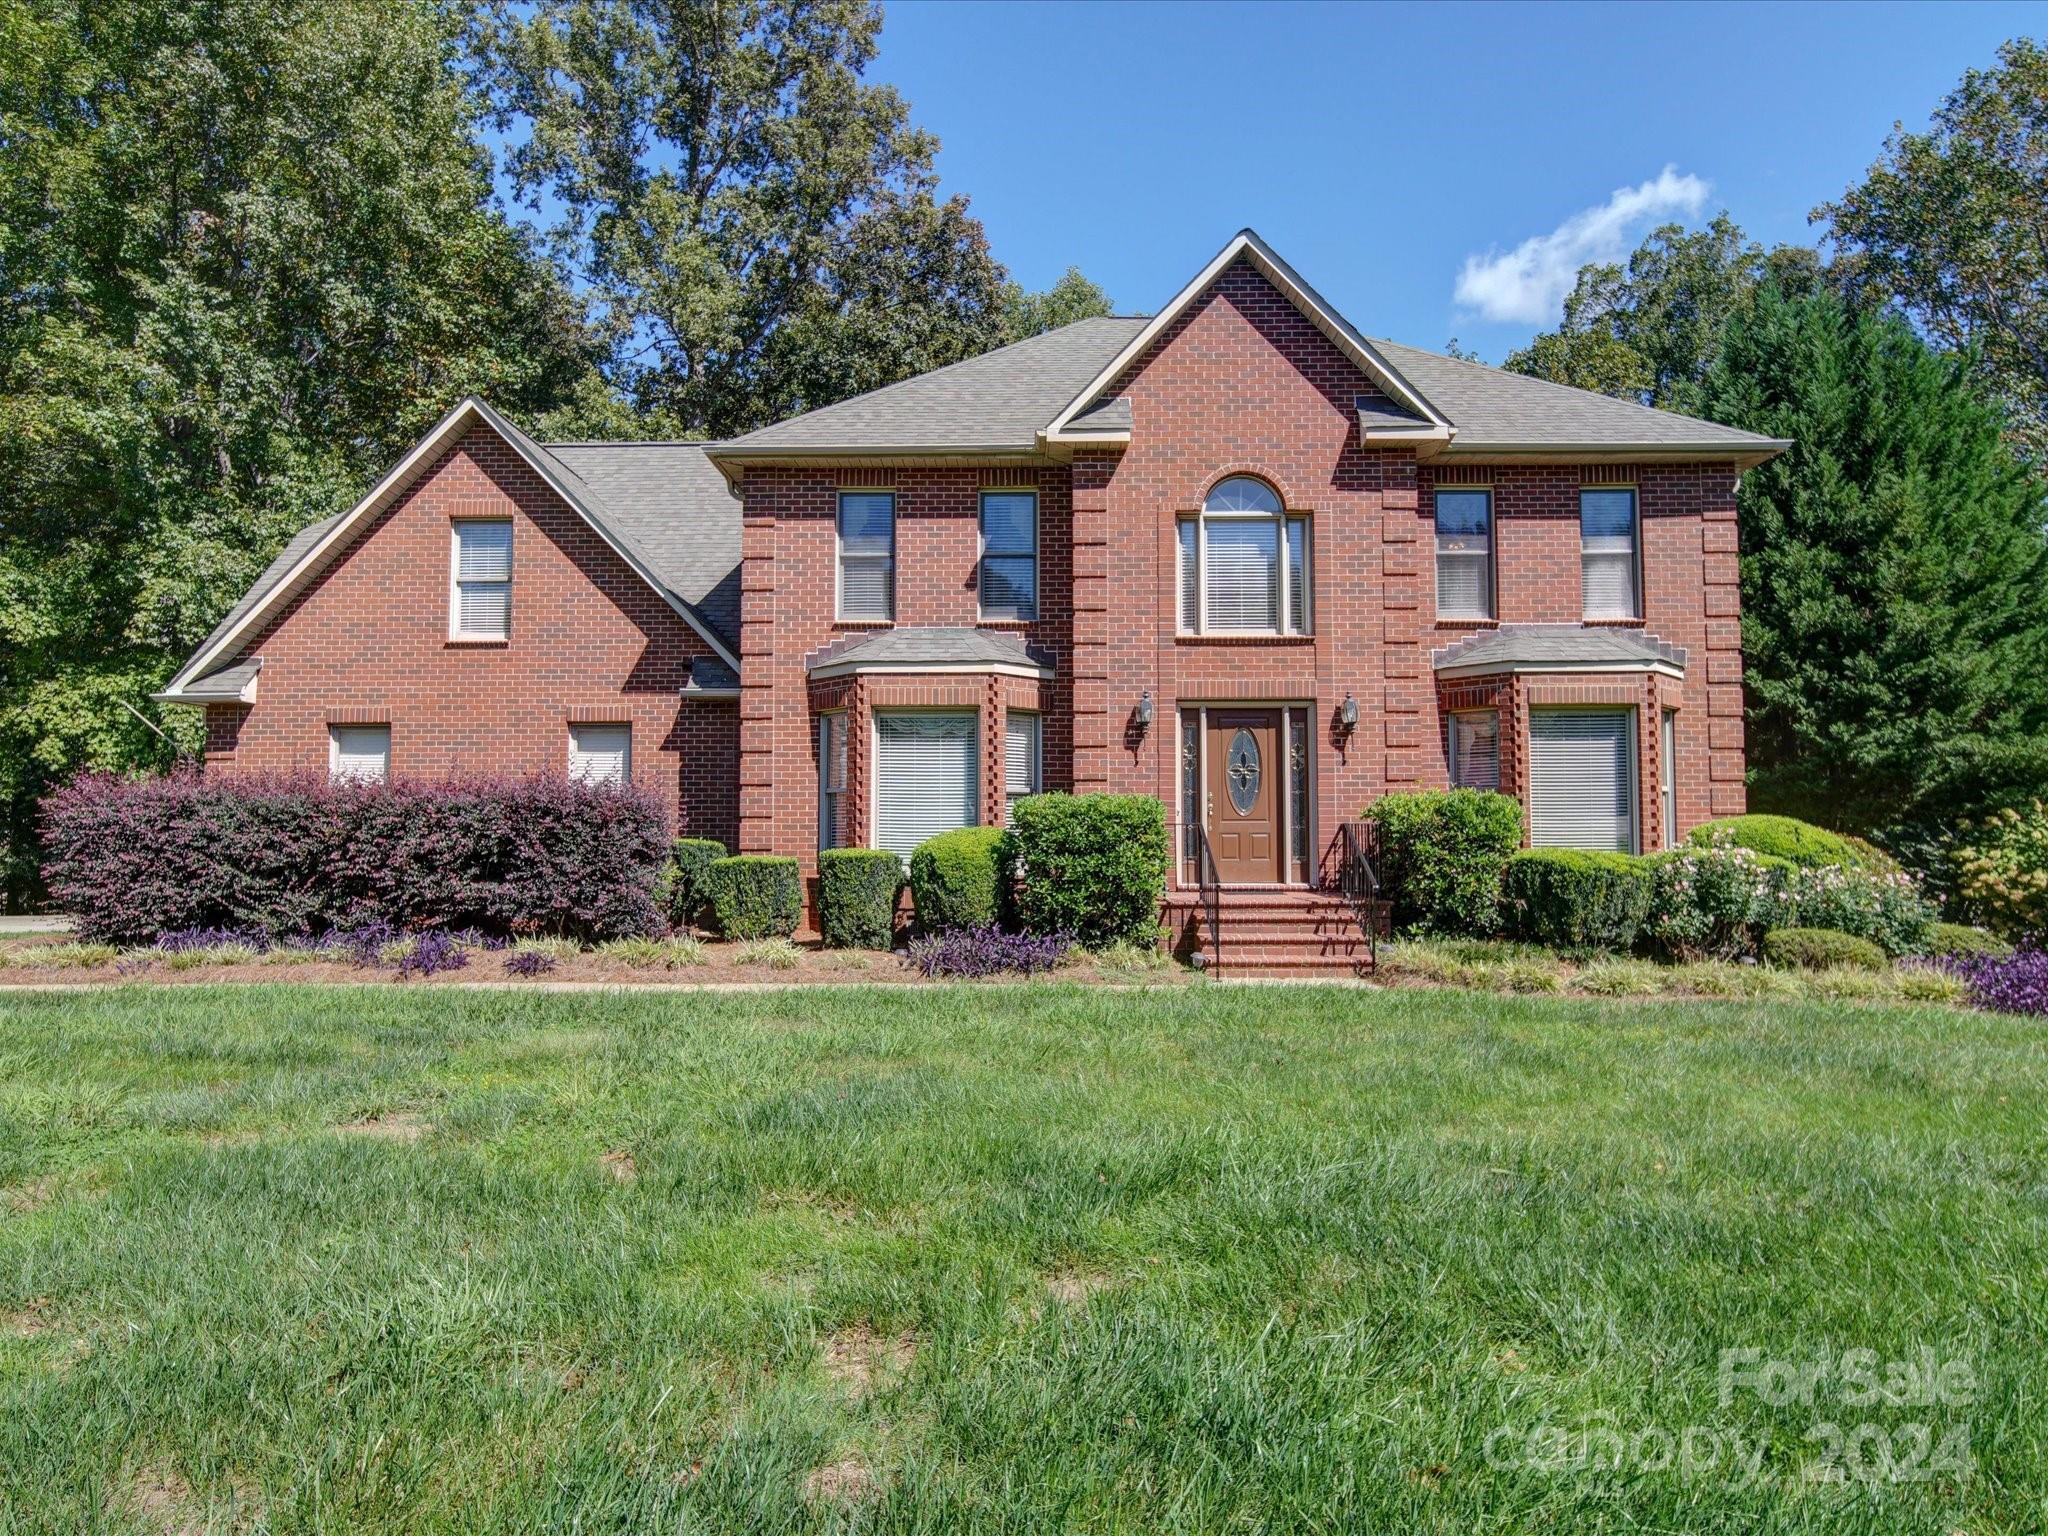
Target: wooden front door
1246,777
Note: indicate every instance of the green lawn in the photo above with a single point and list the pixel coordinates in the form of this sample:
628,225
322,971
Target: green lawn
1024,1258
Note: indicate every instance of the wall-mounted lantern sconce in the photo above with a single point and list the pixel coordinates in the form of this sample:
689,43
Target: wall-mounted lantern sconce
1347,713
1145,710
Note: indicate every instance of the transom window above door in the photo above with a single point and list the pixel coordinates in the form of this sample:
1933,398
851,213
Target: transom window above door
1244,563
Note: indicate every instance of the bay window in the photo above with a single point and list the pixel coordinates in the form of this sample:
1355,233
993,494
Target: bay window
927,777
1475,749
1607,553
1244,564
832,781
1022,744
1464,554
1582,779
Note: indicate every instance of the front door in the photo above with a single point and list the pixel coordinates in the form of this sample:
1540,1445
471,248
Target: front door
1245,780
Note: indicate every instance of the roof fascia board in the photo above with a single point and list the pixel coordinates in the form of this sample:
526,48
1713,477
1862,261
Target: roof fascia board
1277,272
1742,455
245,695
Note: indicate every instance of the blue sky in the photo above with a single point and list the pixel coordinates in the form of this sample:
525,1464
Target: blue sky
1382,149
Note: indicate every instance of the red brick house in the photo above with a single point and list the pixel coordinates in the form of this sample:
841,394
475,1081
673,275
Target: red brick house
1233,555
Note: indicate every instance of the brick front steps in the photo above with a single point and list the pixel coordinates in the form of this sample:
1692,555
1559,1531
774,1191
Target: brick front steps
1277,932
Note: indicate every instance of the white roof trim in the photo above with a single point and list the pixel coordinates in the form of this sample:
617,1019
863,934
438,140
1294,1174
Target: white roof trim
1276,271
933,668
1496,668
388,490
245,695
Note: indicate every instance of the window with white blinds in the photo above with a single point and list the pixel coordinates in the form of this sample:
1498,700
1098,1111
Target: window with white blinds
1021,744
1475,749
832,781
1582,779
867,554
1244,564
1607,553
601,754
1464,554
1009,555
480,597
927,778
359,753
1667,769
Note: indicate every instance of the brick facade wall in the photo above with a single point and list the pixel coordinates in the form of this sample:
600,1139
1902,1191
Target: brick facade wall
589,641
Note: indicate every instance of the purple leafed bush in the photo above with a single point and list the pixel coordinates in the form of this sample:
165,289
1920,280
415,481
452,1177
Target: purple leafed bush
529,962
2014,983
135,858
987,952
430,953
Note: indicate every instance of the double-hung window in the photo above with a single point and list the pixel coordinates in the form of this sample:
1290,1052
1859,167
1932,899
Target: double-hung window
832,781
480,580
1464,554
1009,555
1475,749
1607,553
1244,564
927,777
1021,747
867,555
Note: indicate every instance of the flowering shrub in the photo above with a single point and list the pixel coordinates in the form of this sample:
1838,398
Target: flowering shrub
2015,983
987,951
1885,907
2001,868
298,855
1713,902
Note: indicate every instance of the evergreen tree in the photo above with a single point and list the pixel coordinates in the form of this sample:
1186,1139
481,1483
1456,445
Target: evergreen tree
1894,574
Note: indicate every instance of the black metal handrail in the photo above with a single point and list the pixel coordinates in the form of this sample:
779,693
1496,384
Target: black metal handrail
1358,877
1211,886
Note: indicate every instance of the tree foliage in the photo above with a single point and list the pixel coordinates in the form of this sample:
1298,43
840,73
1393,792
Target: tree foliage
1952,226
248,254
758,228
1894,574
1072,298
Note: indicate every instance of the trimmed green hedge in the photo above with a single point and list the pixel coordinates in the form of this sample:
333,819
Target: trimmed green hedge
954,879
857,890
1090,866
755,896
1795,841
681,892
1820,949
1441,856
1572,898
1958,941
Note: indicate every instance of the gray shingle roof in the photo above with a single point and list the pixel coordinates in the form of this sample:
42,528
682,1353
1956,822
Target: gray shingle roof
1567,645
1378,410
1103,416
999,399
931,646
1491,408
224,684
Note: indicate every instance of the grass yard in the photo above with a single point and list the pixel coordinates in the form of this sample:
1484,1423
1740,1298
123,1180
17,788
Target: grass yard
376,1259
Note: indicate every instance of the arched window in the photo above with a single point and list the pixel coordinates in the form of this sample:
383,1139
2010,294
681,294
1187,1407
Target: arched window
1244,563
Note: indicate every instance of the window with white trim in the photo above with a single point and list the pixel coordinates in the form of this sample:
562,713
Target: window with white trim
1245,564
832,781
927,777
867,555
1607,553
1464,553
601,754
1022,745
480,579
1582,779
1009,555
359,754
1667,769
1475,749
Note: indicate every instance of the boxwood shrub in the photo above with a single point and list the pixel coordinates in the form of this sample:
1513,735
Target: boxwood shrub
1570,898
682,892
755,896
954,879
1820,949
857,890
1795,841
1955,941
1092,867
1441,856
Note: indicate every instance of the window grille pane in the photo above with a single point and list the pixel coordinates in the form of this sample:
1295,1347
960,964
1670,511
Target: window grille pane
484,608
1475,750
831,781
1297,575
1009,522
1464,585
867,587
1241,493
867,522
1244,575
483,551
1610,585
1009,587
1190,576
926,778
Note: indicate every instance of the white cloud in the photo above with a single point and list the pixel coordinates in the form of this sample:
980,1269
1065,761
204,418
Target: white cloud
1528,284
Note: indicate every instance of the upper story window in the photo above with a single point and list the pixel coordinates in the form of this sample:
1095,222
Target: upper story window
1607,553
867,555
480,583
1464,554
1244,564
1009,555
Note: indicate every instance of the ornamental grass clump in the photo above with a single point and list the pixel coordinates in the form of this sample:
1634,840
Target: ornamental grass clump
988,951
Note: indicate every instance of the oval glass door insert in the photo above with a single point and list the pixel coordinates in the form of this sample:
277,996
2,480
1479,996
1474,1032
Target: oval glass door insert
1242,771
